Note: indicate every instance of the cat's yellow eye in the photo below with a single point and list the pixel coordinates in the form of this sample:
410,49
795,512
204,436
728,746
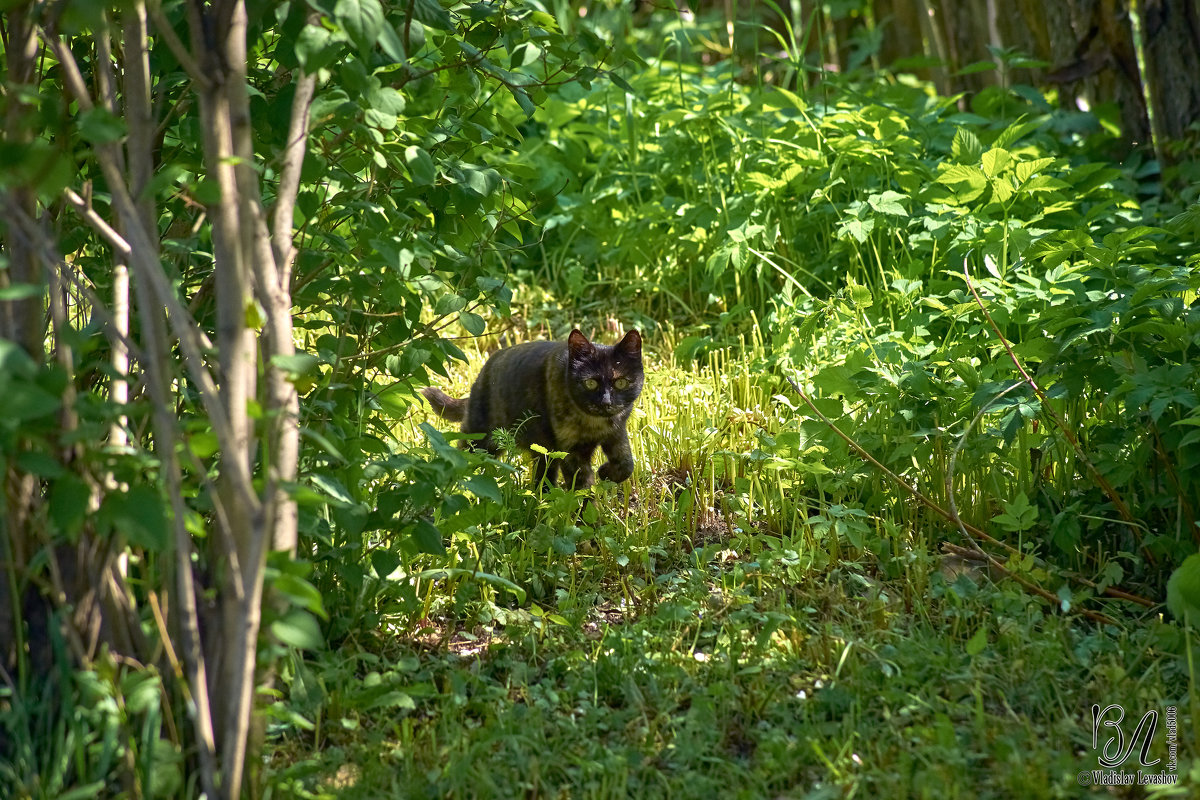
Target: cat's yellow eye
592,384
621,383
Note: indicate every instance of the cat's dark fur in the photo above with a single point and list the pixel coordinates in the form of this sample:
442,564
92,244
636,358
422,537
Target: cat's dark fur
540,390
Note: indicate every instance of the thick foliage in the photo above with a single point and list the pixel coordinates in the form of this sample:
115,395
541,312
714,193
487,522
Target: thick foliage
844,222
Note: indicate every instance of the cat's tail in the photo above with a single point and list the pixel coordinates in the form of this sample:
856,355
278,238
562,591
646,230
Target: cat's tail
445,406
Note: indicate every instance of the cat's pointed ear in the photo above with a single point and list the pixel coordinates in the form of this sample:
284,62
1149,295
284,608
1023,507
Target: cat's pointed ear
631,345
578,344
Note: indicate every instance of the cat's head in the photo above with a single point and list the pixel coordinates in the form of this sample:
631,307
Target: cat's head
604,380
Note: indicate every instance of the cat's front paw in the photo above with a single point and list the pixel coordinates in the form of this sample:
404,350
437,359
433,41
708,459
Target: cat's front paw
616,471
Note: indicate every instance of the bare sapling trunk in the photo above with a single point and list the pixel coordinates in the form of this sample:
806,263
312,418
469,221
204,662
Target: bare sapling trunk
253,255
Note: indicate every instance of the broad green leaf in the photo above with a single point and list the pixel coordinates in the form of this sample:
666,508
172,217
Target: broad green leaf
98,126
474,323
390,699
300,629
203,443
1026,169
420,165
858,229
449,303
1016,131
142,690
888,202
966,148
39,463
382,120
362,20
995,161
20,291
333,488
523,100
431,13
483,181
384,562
484,486
1183,591
977,643
69,499
300,592
967,183
138,515
524,53
316,48
428,538
296,364
255,315
14,360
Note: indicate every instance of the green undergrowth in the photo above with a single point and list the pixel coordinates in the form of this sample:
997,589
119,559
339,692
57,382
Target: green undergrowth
744,618
999,318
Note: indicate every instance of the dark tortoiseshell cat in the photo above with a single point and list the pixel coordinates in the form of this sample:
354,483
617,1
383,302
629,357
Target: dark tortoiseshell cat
570,397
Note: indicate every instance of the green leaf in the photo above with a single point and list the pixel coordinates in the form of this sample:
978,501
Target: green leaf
300,629
384,562
380,119
523,54
484,486
858,229
523,100
966,148
39,463
428,538
19,291
391,43
98,126
1015,132
255,314
362,20
316,48
977,643
448,303
300,593
1183,591
995,161
432,14
141,689
390,699
420,165
624,84
69,504
888,202
203,443
483,181
15,361
388,100
967,183
297,364
138,514
473,323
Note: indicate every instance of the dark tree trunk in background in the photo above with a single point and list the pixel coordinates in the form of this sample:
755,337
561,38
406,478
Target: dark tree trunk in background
1091,47
1172,30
